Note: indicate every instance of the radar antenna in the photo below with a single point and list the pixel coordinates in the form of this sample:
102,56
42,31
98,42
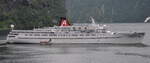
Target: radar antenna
92,19
147,19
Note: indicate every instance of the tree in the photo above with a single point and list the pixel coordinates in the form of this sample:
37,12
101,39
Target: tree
27,14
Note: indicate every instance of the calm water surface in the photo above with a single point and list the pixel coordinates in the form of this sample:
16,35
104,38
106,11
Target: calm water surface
81,53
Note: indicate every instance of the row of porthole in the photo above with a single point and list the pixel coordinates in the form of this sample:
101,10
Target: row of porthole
59,35
79,28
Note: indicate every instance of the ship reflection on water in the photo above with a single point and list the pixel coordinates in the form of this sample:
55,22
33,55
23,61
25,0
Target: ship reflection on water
74,53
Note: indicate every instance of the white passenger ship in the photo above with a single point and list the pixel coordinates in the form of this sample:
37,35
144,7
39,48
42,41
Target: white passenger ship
77,33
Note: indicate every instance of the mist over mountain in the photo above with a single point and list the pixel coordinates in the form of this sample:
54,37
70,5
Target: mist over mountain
108,11
27,14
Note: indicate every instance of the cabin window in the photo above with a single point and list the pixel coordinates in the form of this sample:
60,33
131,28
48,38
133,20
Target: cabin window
69,35
30,34
11,36
36,34
81,35
51,34
74,28
85,28
79,28
44,34
93,34
87,34
60,35
15,34
74,34
26,34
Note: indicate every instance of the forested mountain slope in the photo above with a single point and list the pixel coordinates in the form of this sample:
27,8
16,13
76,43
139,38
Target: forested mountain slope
26,14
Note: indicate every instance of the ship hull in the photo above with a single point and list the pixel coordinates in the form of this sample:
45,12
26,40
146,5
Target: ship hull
121,38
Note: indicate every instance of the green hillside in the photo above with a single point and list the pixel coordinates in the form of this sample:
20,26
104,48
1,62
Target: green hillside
27,14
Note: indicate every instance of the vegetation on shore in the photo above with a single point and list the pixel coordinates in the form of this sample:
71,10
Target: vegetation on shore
27,14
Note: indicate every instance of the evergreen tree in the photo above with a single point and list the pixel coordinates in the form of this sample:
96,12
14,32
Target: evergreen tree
27,14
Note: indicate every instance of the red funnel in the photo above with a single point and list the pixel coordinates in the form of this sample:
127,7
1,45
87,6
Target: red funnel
64,22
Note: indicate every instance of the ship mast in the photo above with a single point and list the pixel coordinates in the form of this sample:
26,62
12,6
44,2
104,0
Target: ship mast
103,10
112,14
